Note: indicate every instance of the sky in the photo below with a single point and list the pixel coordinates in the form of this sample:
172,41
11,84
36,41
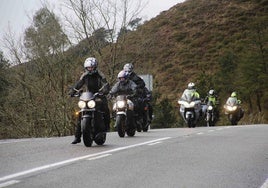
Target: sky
17,14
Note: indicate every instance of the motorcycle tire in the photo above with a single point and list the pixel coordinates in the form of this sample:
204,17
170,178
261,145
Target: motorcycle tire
131,132
190,123
232,119
100,138
145,129
120,124
139,123
146,122
87,131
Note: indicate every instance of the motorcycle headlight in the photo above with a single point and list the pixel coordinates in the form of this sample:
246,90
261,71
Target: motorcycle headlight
231,108
91,104
189,105
234,108
81,104
120,104
210,107
76,113
192,104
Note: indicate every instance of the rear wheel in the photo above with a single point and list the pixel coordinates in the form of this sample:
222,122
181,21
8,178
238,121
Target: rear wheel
87,131
145,128
100,138
131,132
139,123
120,123
146,122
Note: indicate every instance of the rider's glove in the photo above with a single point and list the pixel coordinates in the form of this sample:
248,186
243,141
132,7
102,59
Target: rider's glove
72,92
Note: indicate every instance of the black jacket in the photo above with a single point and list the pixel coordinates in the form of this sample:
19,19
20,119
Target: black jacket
138,80
94,82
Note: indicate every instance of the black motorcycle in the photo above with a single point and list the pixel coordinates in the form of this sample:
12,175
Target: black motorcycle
210,114
92,118
143,120
124,116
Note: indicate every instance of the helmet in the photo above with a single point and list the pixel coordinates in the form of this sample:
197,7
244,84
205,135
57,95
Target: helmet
128,68
191,85
211,92
233,94
122,76
91,65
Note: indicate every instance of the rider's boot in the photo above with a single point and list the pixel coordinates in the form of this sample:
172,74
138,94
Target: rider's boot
78,133
76,140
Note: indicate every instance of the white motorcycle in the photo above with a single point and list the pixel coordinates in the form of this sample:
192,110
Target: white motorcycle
124,116
190,110
233,111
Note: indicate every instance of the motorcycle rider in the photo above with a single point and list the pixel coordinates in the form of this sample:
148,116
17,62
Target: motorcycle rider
142,91
193,93
124,86
190,105
190,89
211,98
94,81
233,97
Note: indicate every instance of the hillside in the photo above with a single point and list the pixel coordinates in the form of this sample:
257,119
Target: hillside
219,44
193,40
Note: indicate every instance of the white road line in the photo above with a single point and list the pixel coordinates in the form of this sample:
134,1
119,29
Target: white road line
211,131
61,163
265,184
151,144
200,133
8,183
99,157
9,141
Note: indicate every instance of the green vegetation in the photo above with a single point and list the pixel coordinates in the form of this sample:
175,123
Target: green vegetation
220,44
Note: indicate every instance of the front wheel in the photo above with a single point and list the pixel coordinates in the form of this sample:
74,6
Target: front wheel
86,125
210,121
120,124
232,119
190,123
131,132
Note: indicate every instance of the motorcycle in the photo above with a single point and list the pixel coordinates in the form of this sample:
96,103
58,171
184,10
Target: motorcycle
91,115
124,116
232,110
145,120
210,114
190,110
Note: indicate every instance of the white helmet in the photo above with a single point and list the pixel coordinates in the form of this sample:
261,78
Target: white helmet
122,76
128,68
91,65
191,85
211,92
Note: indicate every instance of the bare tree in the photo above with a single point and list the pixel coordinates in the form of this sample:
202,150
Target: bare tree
37,103
112,15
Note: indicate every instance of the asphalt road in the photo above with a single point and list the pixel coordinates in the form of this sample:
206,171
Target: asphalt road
202,157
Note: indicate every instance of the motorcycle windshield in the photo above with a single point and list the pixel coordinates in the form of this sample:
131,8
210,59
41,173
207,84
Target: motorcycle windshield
232,102
121,97
86,96
188,96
